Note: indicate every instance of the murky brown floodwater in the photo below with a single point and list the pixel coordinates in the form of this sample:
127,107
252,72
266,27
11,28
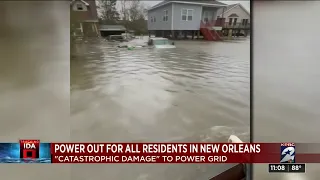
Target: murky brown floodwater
199,91
286,78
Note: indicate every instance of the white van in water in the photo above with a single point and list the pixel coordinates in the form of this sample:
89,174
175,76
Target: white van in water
116,38
160,43
238,172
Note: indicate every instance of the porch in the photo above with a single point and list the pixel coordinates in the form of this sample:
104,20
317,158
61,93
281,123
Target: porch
220,23
85,28
222,28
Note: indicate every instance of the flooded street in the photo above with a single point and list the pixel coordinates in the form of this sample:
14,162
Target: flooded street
199,91
286,78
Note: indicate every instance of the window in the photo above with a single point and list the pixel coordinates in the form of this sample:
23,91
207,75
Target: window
235,21
80,7
165,17
153,19
184,14
244,22
187,14
161,42
230,21
190,14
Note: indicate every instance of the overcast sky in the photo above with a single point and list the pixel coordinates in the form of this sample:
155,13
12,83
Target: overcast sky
245,4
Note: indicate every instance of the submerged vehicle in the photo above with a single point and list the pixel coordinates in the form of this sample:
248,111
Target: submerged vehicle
238,172
114,38
152,42
160,43
128,36
134,43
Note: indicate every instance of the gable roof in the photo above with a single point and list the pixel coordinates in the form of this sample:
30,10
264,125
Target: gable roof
233,15
232,6
198,2
84,2
91,4
112,28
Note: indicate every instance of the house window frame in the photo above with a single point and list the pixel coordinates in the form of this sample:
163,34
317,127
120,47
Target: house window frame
166,15
187,14
245,22
235,21
230,21
153,19
80,7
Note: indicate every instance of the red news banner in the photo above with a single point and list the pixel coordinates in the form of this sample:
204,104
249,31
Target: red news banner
162,153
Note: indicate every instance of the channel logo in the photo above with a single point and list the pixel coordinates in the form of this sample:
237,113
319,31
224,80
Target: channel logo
288,152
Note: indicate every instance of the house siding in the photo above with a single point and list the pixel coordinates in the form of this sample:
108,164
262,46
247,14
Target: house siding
159,13
179,24
240,12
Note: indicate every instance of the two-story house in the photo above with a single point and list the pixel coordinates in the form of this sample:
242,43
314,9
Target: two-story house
84,18
237,18
172,18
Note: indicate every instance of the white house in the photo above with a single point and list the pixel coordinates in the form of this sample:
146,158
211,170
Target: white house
235,16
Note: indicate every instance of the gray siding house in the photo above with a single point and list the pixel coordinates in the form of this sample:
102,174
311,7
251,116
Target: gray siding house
184,17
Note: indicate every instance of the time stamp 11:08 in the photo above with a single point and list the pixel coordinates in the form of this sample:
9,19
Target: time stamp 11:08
286,168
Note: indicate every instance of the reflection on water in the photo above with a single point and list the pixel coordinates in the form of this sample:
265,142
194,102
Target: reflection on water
196,92
286,77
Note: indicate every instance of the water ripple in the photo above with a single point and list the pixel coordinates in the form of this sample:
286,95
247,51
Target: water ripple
196,92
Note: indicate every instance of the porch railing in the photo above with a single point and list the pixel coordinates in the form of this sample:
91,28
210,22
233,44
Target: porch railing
236,25
222,23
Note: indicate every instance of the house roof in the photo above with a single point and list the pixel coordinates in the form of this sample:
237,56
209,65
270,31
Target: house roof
199,2
84,2
92,9
233,15
230,7
112,28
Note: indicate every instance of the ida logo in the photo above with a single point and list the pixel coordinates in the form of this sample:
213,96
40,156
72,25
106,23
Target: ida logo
288,153
29,149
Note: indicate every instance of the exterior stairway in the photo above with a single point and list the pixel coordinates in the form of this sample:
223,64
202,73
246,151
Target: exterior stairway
208,32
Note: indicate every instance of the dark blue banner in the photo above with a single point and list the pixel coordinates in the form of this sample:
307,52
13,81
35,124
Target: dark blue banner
11,153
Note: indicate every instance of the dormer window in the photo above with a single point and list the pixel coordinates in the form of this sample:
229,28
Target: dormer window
80,7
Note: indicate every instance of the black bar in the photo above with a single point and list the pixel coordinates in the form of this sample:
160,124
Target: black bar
275,168
297,168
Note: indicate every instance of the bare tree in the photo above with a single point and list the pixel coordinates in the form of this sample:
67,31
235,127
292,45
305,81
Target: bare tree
124,9
133,13
108,11
134,10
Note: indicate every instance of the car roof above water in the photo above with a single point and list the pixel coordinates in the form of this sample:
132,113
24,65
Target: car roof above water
158,38
116,36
